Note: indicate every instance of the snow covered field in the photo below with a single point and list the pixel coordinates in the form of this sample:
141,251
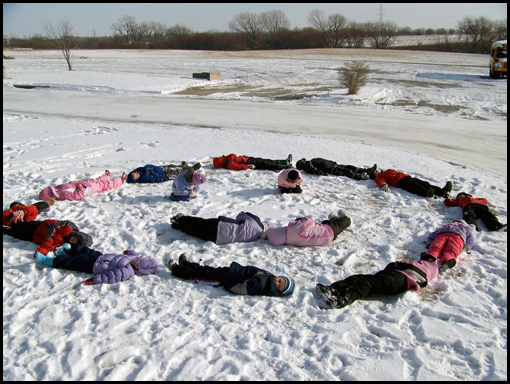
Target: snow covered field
122,109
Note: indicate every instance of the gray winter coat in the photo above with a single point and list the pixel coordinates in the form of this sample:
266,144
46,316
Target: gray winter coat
245,227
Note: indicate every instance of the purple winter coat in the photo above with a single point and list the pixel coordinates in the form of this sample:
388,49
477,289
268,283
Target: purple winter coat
112,268
245,227
459,227
301,232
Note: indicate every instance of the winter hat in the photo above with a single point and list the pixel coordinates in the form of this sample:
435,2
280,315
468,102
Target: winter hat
461,193
300,165
293,175
83,238
198,178
289,286
371,174
277,236
147,266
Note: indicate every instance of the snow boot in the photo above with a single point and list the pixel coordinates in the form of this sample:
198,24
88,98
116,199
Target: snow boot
371,169
448,265
175,219
289,160
445,191
196,167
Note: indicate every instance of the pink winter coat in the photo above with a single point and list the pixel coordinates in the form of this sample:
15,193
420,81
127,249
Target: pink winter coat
77,190
301,232
283,182
431,269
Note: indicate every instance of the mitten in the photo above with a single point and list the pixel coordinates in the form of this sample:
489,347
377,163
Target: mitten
192,193
385,188
62,251
88,281
251,166
46,260
18,215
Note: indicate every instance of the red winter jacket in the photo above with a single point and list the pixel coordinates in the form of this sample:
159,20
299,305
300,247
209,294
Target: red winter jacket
232,162
390,176
465,200
29,211
51,234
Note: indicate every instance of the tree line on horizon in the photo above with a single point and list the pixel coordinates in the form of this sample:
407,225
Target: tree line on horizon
271,30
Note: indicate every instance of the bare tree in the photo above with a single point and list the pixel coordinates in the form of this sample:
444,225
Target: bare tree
317,19
380,34
62,38
337,32
354,35
249,24
333,29
124,27
274,23
177,30
140,31
500,30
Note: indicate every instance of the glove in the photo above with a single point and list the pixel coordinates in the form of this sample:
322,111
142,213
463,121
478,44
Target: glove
192,193
17,216
62,251
251,166
88,281
46,260
385,188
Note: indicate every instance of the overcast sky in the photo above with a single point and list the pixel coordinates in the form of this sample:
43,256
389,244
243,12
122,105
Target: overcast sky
26,19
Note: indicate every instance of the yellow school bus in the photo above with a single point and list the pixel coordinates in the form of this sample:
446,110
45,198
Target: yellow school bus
497,63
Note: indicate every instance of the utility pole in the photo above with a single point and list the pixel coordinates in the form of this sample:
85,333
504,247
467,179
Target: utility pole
381,13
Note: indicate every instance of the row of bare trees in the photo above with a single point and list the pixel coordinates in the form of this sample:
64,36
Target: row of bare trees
479,33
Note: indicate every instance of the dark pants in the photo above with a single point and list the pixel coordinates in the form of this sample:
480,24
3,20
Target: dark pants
204,273
471,212
382,283
41,206
418,187
348,171
80,258
272,165
172,171
205,229
297,189
338,224
23,230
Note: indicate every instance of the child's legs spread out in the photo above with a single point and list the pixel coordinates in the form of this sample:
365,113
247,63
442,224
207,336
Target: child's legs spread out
452,245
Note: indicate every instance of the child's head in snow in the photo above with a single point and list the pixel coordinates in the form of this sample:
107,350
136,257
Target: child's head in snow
284,284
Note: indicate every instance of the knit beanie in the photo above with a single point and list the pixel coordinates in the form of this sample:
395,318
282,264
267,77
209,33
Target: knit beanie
289,286
147,266
293,175
198,178
300,165
83,238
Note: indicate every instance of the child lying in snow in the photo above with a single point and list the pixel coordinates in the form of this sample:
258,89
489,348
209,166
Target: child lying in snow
22,212
108,268
448,242
237,279
77,190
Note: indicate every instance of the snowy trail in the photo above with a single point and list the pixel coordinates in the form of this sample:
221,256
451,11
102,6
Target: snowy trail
487,140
